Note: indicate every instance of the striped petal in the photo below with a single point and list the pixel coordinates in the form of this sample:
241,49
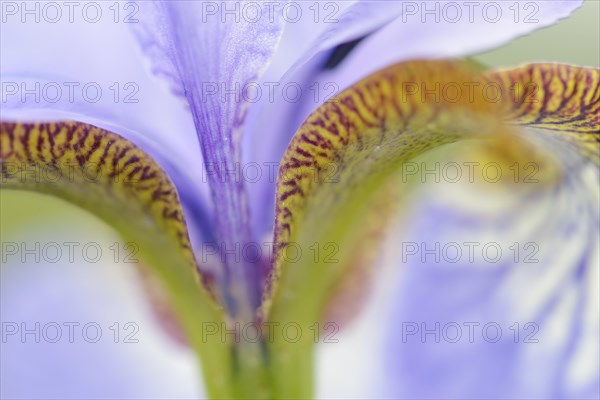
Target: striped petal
391,31
562,100
343,176
521,326
93,73
112,178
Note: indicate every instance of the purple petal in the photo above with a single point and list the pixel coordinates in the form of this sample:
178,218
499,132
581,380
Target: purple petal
210,57
445,29
93,72
131,361
355,21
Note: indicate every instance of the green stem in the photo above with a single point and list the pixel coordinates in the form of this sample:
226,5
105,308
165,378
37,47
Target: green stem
250,378
292,374
233,365
291,361
262,370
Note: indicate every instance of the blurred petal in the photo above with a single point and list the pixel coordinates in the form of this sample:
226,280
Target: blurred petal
542,295
128,358
210,60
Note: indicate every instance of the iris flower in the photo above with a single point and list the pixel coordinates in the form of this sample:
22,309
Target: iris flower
162,177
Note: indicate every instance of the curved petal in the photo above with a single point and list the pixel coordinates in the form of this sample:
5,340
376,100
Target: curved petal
109,176
561,100
211,58
397,31
292,81
349,165
86,66
338,184
313,28
449,29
